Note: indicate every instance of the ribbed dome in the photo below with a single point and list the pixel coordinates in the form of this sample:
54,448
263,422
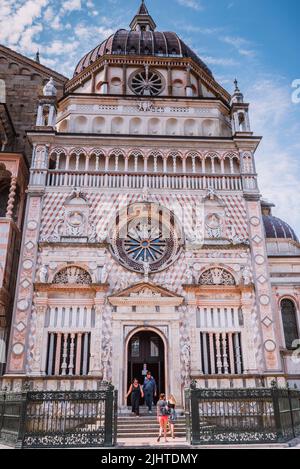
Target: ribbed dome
276,228
138,43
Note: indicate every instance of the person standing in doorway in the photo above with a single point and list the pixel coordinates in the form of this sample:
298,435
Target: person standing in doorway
150,390
137,393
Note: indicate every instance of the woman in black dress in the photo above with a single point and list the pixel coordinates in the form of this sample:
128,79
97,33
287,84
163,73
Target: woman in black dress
137,393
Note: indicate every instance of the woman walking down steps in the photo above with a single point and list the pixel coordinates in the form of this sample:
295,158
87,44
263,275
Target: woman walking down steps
137,393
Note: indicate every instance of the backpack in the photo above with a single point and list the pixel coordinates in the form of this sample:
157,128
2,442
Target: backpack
164,409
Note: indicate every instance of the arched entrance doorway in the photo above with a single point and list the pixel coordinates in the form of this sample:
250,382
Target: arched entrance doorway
146,351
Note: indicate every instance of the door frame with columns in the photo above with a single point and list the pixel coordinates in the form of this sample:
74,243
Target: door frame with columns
146,307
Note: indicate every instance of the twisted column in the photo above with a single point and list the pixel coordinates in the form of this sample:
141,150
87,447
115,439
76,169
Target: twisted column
11,197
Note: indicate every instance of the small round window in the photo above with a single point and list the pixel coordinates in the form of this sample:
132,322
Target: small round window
147,82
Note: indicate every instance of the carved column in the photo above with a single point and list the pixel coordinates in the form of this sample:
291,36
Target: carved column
96,339
106,342
58,353
196,359
219,356
249,332
11,197
225,356
64,364
189,91
93,85
40,116
38,340
124,82
170,85
200,92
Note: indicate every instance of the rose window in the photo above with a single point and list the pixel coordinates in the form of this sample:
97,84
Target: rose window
145,235
147,83
145,243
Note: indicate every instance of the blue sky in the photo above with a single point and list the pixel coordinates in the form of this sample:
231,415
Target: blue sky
256,41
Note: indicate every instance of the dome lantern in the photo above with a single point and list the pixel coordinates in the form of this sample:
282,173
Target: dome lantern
142,21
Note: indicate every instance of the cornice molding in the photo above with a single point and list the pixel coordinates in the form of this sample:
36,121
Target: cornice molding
86,74
68,288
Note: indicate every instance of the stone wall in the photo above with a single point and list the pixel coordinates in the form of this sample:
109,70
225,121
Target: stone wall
24,80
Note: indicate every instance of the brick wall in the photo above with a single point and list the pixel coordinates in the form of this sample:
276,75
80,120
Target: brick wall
24,81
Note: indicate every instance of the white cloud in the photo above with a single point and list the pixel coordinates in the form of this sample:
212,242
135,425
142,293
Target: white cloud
60,47
92,34
224,62
242,45
71,5
27,44
17,19
194,4
49,14
191,29
277,159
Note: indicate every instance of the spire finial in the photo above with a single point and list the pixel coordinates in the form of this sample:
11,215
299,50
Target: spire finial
37,56
236,85
143,10
142,20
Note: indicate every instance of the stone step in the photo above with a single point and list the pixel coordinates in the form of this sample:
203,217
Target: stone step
139,423
148,435
144,427
147,429
126,412
145,416
146,420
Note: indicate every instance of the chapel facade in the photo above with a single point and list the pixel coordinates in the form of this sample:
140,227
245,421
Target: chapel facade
146,243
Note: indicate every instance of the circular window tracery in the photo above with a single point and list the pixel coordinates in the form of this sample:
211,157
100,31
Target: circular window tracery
147,82
145,234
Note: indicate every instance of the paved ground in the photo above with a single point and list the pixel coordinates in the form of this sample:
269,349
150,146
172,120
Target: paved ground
182,444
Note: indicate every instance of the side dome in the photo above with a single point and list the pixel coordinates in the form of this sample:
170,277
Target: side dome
141,40
275,228
279,229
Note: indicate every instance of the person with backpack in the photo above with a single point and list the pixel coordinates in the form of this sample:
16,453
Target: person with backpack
163,412
150,390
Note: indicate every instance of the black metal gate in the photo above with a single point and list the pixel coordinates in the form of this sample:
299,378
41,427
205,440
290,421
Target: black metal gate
236,416
72,419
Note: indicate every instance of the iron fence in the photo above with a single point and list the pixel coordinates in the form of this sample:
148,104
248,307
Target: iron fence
236,416
60,419
12,412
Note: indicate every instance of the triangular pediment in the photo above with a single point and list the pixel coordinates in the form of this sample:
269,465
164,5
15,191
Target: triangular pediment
146,292
145,289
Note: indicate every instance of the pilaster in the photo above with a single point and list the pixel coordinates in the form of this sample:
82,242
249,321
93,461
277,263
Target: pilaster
24,290
266,315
